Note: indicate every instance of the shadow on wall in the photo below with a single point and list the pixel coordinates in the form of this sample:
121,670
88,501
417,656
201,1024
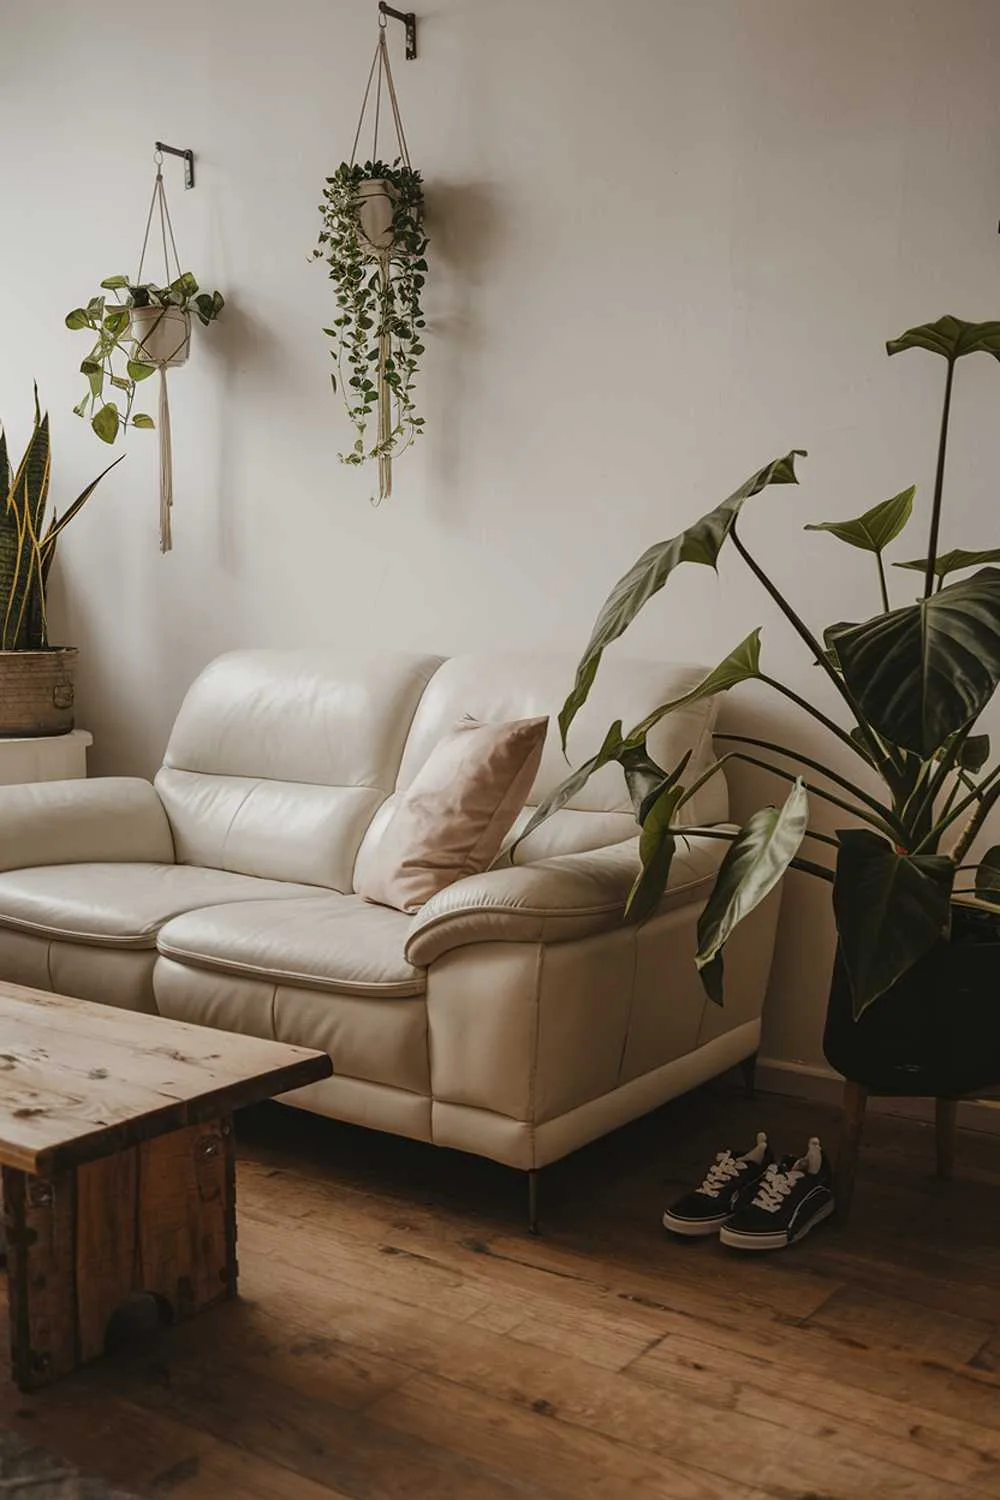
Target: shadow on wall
463,225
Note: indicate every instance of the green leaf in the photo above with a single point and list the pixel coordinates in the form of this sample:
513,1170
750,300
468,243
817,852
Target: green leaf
922,673
988,876
609,751
755,862
185,286
700,543
138,371
142,420
950,337
741,665
974,753
656,851
116,320
873,531
22,603
78,318
891,909
105,423
953,561
114,283
646,781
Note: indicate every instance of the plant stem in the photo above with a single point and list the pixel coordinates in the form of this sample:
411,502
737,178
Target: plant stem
815,765
986,793
805,865
802,629
882,583
932,544
975,823
815,713
816,791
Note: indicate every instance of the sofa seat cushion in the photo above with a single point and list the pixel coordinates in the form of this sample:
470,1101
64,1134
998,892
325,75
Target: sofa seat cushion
120,905
327,942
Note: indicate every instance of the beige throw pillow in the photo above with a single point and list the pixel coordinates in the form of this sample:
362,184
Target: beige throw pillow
454,815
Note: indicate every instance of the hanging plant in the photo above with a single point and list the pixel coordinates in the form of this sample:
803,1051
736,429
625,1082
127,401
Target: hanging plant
373,241
145,327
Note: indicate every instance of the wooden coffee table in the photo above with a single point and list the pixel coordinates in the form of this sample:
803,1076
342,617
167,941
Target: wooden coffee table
116,1148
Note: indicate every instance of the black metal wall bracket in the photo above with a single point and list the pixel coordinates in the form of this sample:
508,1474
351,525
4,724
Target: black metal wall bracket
409,20
188,160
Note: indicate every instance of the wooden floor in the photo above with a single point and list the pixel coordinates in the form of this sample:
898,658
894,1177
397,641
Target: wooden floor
400,1335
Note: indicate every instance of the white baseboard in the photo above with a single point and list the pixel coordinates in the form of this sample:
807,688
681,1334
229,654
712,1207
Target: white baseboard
822,1086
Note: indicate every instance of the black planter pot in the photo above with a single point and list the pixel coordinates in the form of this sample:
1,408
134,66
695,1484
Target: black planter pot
937,1031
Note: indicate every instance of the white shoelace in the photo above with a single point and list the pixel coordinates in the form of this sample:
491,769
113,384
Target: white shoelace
723,1170
774,1188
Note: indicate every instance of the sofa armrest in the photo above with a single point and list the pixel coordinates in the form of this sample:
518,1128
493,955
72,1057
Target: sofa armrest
553,900
109,819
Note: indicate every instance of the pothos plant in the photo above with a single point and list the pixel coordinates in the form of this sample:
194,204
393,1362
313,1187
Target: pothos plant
912,682
378,330
113,361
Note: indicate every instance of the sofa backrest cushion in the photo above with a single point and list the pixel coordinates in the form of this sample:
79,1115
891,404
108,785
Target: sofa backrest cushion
278,759
493,688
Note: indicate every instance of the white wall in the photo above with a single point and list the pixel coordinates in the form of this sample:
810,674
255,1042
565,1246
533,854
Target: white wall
669,238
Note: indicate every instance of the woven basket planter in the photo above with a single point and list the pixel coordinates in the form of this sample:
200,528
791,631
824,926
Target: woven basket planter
36,691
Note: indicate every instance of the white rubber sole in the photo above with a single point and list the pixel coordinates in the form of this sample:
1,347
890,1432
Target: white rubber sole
738,1241
693,1228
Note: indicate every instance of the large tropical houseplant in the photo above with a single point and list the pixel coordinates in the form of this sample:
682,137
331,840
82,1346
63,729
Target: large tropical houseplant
36,678
914,1002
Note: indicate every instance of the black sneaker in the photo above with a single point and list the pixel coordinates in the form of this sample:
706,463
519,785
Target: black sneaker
730,1180
793,1196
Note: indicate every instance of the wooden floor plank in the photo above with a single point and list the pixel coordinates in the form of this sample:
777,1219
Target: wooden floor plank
399,1335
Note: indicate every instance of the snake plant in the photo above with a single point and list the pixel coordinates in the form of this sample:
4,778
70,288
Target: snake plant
27,543
912,682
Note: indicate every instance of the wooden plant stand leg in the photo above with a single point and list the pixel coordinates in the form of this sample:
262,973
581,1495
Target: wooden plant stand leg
158,1218
945,1118
849,1146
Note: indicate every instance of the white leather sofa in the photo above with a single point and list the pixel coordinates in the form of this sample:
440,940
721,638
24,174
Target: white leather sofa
515,1015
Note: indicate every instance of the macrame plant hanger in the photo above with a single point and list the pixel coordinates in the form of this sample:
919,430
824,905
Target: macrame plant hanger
158,205
380,74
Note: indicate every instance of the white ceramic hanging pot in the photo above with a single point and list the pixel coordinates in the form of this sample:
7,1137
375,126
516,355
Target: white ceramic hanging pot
162,335
376,206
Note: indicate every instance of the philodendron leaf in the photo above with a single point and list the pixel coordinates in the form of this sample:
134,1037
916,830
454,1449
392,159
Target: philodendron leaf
974,753
114,283
953,561
754,864
741,665
920,674
646,781
143,419
138,371
891,909
609,751
700,543
873,531
950,337
988,876
656,851
78,318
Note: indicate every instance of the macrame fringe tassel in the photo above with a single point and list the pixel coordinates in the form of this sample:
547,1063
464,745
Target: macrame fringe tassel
384,404
166,467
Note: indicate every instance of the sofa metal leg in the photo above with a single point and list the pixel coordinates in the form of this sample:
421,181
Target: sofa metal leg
748,1067
533,1177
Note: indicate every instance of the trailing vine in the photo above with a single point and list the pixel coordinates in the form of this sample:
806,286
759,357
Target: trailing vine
378,328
